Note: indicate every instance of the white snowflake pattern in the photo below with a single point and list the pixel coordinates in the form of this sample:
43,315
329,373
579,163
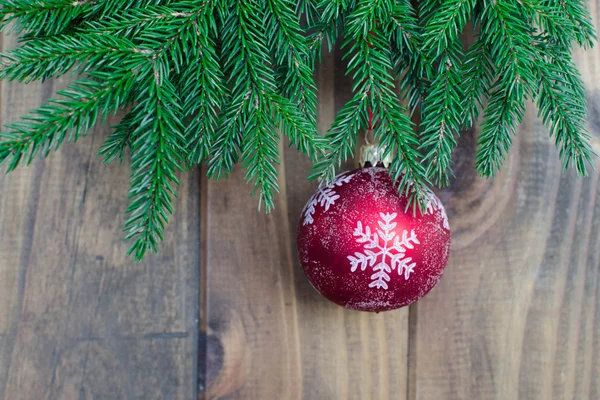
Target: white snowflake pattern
433,203
325,197
376,255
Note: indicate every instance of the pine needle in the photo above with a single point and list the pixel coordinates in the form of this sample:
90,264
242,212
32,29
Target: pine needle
218,82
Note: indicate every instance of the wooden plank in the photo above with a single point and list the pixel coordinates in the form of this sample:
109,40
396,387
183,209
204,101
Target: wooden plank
252,328
79,318
270,334
515,315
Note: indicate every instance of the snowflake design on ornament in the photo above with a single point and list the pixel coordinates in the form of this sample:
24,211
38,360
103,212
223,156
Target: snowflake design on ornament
381,245
325,197
433,203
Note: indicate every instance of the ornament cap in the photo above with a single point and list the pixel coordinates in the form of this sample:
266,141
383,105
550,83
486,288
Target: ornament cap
373,153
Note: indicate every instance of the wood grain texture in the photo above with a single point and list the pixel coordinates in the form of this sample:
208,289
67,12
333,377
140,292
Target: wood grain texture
271,335
515,316
78,318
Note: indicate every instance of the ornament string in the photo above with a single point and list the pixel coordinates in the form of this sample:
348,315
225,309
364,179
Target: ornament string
370,125
370,110
370,153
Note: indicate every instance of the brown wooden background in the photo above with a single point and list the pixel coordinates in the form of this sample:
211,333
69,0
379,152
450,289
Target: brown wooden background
224,311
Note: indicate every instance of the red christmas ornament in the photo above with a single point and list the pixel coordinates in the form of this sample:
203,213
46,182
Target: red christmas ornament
361,250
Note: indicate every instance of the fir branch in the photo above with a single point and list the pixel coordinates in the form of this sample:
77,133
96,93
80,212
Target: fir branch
139,23
353,116
577,12
406,169
333,14
444,25
404,25
507,36
68,117
310,10
252,82
410,65
478,75
179,41
227,140
183,31
300,131
504,113
442,115
156,156
442,110
413,78
54,56
341,137
260,151
562,107
106,8
217,79
549,18
119,141
371,66
291,50
41,18
202,89
427,8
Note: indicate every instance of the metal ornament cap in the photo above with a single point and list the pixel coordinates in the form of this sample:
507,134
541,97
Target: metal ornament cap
372,153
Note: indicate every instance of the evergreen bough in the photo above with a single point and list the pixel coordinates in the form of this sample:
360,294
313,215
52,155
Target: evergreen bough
216,81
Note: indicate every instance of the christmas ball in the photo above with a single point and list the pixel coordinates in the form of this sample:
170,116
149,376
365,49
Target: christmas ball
361,248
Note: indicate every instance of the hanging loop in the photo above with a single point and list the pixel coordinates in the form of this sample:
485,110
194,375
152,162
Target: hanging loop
370,136
373,154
